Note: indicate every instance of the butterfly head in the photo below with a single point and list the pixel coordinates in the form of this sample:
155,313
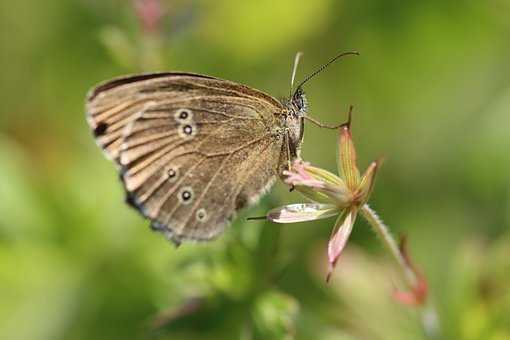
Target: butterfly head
298,103
294,120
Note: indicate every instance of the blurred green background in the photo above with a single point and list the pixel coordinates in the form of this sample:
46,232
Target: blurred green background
431,92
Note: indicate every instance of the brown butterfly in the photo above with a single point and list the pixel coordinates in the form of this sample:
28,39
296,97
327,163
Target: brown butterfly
192,149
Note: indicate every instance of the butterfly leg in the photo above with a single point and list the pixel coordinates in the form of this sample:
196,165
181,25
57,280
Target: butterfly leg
333,127
287,145
289,162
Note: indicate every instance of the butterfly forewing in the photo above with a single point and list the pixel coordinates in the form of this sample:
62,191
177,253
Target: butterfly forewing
192,149
113,105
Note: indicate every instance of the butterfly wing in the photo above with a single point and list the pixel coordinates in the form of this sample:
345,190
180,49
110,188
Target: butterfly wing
192,150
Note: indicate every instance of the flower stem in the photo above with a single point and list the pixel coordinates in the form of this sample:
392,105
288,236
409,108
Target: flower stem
389,242
429,318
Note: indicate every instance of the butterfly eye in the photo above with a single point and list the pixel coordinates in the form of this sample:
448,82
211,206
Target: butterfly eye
183,115
299,102
186,195
201,215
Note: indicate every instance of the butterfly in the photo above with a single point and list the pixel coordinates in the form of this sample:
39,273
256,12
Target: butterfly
192,150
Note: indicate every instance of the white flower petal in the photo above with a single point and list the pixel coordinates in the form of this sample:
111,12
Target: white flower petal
301,212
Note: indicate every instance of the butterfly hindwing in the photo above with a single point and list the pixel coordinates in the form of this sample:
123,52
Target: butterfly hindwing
193,184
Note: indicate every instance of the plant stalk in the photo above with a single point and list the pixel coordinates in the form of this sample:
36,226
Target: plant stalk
389,242
429,318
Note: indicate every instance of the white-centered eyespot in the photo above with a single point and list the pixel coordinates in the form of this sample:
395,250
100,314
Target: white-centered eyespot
183,116
187,131
172,174
185,195
201,215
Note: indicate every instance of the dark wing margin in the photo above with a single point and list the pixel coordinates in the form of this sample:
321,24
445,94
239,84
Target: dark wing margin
136,78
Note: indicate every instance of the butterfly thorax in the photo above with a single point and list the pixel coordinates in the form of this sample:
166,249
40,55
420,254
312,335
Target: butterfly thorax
297,107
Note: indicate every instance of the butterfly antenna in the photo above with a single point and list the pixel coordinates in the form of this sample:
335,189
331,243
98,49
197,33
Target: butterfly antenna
294,70
323,67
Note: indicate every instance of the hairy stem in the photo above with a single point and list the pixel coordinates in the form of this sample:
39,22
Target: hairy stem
389,242
429,318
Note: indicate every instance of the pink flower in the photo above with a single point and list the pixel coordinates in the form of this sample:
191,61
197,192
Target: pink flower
329,194
417,295
345,195
150,13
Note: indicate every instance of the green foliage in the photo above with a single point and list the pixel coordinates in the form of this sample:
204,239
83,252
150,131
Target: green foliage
431,94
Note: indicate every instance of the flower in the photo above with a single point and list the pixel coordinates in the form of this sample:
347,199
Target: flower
329,194
346,195
150,13
417,294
